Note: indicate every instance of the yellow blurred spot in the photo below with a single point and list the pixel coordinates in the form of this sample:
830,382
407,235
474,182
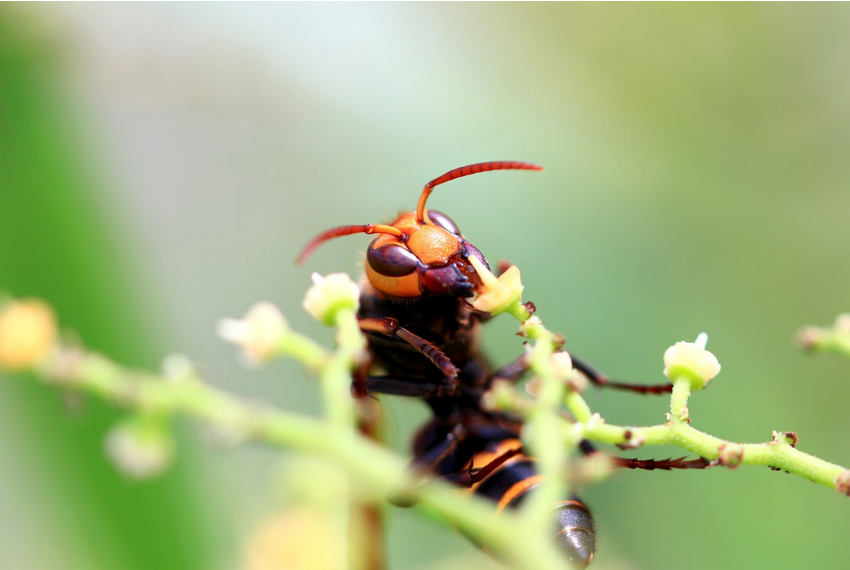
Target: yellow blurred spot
299,539
27,333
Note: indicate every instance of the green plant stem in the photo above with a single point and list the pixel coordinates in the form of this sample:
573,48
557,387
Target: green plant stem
304,349
679,400
832,339
578,407
335,380
335,372
780,455
542,427
379,470
517,537
677,431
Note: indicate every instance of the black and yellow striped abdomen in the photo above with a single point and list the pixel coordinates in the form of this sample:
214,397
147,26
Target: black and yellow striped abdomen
515,477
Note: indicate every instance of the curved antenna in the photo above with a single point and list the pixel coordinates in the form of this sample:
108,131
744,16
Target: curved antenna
466,171
345,231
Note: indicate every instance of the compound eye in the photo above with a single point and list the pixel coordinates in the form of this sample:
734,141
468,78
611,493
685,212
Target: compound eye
442,220
392,260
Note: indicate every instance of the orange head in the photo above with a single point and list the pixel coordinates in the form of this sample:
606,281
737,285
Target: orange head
421,252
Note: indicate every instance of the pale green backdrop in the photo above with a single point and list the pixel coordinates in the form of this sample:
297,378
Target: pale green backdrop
161,166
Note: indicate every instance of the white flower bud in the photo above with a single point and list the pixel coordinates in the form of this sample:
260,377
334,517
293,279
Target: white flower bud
691,360
329,294
140,447
562,364
177,367
259,333
842,323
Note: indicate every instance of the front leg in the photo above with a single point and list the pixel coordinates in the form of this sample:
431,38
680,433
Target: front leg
390,327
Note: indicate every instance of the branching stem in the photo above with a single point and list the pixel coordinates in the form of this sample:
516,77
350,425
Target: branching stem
520,538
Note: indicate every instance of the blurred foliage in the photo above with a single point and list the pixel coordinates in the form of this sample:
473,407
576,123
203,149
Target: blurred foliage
58,245
696,180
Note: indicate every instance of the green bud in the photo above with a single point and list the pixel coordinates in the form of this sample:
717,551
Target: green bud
730,455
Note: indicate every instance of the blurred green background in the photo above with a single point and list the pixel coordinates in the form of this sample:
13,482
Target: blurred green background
162,165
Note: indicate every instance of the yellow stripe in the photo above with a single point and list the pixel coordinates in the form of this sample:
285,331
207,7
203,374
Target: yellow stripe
516,490
573,503
484,458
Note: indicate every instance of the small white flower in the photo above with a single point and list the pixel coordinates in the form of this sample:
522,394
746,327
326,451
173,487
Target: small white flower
842,323
259,333
531,328
692,360
562,367
139,447
562,364
177,367
329,294
532,387
500,397
498,294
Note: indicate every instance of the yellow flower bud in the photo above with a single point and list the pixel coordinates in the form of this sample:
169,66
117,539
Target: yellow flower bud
28,332
498,294
300,539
